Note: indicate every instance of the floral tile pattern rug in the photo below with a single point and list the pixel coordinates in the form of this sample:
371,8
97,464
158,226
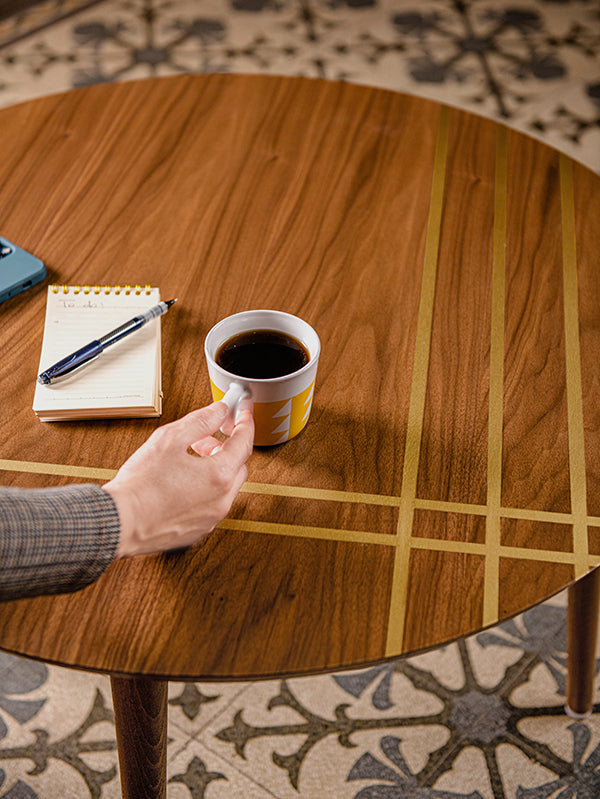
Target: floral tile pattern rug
480,719
533,63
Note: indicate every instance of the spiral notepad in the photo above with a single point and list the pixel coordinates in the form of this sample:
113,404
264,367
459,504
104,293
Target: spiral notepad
125,381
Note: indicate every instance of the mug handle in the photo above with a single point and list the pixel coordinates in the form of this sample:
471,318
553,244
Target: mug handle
234,395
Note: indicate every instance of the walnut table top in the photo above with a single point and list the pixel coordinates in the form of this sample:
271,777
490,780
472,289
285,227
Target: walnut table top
449,475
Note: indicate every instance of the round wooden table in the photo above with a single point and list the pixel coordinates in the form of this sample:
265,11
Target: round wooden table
449,476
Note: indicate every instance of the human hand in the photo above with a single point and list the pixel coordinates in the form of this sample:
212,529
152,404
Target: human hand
168,498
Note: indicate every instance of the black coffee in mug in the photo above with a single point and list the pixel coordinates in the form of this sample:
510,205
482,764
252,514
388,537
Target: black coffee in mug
262,354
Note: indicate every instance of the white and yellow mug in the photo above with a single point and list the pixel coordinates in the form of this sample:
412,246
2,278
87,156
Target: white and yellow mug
281,405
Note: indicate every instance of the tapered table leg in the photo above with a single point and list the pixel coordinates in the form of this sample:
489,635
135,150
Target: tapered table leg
140,706
582,630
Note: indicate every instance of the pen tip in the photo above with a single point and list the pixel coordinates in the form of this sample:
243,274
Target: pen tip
170,302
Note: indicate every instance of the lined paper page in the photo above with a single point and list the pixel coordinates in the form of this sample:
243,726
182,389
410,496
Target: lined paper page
123,379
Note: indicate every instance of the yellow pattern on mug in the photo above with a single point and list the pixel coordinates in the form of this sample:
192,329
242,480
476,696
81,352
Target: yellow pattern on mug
277,422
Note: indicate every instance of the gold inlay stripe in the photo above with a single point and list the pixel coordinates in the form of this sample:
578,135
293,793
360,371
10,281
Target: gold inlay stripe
396,618
573,370
303,492
354,536
516,553
31,467
496,392
318,494
532,515
429,544
299,531
442,506
549,556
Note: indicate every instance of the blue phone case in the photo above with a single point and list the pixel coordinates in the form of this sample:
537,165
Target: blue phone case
19,269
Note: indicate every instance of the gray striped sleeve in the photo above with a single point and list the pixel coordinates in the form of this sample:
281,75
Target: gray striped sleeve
55,540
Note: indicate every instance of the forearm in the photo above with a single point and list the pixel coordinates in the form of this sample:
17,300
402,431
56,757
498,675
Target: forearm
55,540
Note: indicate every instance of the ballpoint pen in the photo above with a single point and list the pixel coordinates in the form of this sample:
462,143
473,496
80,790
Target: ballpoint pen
92,350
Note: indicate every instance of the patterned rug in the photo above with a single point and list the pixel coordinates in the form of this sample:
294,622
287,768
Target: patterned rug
533,64
480,719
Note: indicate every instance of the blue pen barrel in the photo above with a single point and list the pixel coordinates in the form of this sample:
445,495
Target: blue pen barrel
72,361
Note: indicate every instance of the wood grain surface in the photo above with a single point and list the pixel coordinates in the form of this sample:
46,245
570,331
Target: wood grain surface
449,475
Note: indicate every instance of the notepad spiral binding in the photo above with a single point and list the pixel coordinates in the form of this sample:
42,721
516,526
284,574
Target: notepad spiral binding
85,289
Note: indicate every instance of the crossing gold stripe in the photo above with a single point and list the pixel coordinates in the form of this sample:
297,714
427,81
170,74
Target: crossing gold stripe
303,492
573,371
84,472
532,515
96,473
496,391
450,507
430,544
298,531
306,492
416,408
522,553
351,536
444,545
420,503
526,514
516,553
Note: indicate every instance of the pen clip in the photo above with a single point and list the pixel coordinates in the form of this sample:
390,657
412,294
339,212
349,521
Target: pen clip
70,363
52,381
